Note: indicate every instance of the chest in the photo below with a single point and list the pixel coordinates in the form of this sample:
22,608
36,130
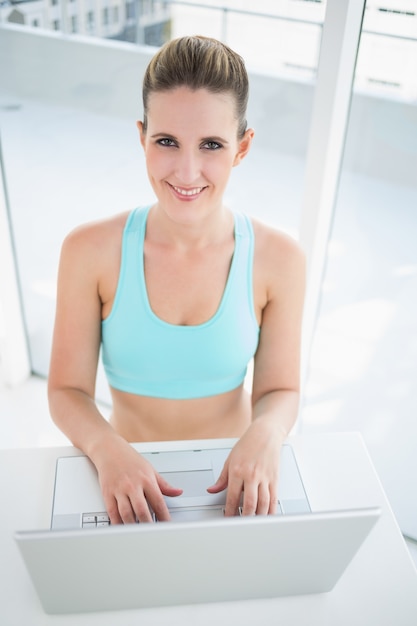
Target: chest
186,287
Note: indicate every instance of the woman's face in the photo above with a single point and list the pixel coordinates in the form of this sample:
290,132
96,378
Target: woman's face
191,145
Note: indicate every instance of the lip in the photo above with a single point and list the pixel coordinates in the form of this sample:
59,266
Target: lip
186,194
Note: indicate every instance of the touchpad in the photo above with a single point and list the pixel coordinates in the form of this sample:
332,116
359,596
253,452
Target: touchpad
197,515
193,483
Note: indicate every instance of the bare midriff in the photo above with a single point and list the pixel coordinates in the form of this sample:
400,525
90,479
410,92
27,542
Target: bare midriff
141,418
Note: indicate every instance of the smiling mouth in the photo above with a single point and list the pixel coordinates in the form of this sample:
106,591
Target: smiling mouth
187,192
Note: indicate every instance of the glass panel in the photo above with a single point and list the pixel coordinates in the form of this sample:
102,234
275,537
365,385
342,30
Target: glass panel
188,20
364,360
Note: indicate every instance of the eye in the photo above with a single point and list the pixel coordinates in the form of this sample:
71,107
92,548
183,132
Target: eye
166,141
212,145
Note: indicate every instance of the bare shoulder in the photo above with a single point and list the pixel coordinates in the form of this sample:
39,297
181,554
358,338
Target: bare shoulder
278,278
278,256
97,234
84,245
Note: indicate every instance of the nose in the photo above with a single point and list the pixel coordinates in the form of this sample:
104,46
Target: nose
188,166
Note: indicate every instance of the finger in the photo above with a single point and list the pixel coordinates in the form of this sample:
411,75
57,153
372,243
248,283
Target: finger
273,501
166,488
142,512
158,503
250,499
159,507
221,482
133,509
218,486
113,512
264,497
234,494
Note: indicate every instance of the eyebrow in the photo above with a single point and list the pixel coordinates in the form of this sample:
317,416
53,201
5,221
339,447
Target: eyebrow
202,139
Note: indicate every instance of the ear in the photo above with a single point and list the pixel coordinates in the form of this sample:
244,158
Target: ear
142,134
244,146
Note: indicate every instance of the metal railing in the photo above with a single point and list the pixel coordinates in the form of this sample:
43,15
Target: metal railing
139,17
226,11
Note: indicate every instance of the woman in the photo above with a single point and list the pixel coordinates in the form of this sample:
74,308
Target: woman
181,295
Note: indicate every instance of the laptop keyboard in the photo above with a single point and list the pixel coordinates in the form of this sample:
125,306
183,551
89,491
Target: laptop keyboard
186,514
95,520
102,520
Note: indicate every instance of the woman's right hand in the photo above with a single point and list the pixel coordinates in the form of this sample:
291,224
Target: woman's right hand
130,486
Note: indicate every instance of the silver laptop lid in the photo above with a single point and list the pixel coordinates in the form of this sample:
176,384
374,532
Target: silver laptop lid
149,565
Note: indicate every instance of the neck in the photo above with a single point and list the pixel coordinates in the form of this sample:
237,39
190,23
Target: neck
210,229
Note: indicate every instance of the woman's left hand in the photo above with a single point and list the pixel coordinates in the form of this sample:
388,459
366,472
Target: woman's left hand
251,470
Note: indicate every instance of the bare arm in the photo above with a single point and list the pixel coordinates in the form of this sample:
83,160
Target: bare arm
252,467
128,482
76,342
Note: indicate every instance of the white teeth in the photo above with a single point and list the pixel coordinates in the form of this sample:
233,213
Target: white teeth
188,192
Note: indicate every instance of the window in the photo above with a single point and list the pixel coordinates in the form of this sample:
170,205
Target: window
130,10
90,21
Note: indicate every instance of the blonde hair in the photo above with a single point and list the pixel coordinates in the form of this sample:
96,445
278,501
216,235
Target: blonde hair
198,62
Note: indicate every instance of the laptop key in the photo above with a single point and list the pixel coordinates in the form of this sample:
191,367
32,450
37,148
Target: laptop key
95,520
238,514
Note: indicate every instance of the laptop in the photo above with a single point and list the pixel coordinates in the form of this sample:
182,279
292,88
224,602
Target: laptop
78,502
84,564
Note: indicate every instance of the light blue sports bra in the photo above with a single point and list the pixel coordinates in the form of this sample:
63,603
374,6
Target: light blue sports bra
145,355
